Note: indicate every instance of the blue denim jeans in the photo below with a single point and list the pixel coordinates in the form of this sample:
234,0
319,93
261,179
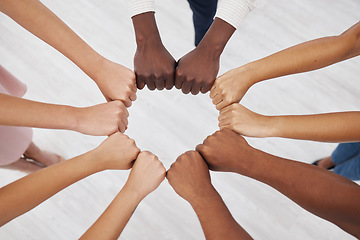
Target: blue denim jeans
203,15
347,160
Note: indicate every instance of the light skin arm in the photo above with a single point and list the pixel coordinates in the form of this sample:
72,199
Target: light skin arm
145,176
153,64
19,197
309,186
103,119
115,81
308,56
328,127
190,178
197,70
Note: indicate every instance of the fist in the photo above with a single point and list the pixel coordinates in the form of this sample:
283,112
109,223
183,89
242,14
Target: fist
190,177
154,66
226,151
102,119
116,82
117,152
243,121
196,71
231,87
146,175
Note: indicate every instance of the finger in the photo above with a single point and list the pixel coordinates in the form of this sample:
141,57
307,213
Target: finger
170,81
224,126
186,87
225,122
124,120
217,99
125,111
140,82
132,96
160,84
205,88
150,82
199,148
213,92
127,102
121,127
178,80
195,89
133,87
226,109
223,116
222,105
108,99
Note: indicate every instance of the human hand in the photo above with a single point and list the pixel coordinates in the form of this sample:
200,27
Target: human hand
154,66
190,177
227,151
146,175
197,70
102,119
117,152
231,87
245,122
116,82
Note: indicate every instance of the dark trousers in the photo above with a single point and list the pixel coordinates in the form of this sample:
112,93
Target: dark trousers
203,15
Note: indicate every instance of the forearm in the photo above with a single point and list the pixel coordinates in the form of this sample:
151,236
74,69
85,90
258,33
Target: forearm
21,112
112,222
215,218
39,20
307,56
330,127
146,31
323,193
217,37
26,193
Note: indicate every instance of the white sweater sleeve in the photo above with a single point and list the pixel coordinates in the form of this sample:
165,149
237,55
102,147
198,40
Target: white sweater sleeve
140,6
234,11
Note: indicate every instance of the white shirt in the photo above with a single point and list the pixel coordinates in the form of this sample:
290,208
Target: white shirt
231,11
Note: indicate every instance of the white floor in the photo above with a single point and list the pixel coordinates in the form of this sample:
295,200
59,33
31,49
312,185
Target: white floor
169,123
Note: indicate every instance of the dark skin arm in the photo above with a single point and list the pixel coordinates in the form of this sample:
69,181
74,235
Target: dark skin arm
190,178
309,186
153,64
197,70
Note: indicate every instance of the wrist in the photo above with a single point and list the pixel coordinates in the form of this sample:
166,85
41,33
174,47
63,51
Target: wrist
146,31
91,162
204,197
274,126
249,73
133,193
248,165
76,121
68,117
217,37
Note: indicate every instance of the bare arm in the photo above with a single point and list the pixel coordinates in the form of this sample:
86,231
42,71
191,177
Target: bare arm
309,186
115,81
308,56
103,119
145,176
328,127
190,178
19,197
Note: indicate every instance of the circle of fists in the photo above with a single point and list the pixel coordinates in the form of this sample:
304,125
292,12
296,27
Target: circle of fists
195,72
